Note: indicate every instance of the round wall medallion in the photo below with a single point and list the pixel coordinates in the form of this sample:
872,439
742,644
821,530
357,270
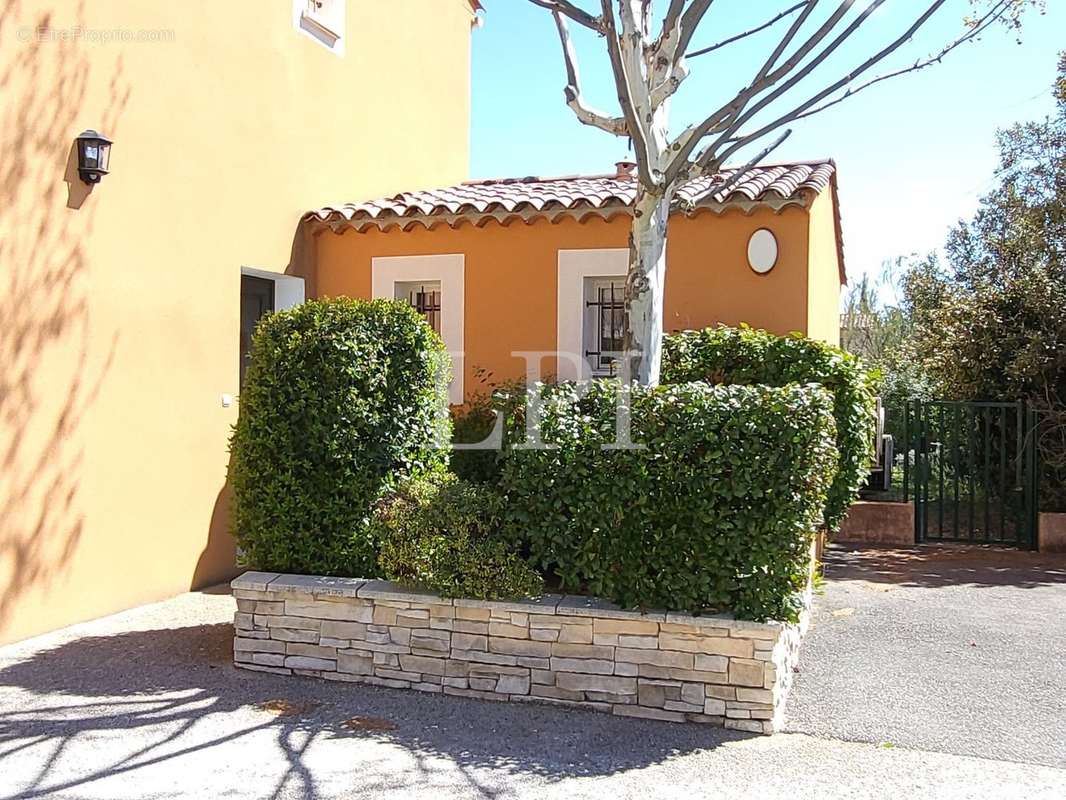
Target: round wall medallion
762,251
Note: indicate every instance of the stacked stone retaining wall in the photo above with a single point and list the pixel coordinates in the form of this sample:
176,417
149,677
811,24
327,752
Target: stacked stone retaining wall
567,650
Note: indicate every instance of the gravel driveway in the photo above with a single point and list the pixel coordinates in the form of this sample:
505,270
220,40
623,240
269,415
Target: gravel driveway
145,704
952,649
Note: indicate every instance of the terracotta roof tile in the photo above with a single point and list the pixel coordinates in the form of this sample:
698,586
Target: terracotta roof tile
780,182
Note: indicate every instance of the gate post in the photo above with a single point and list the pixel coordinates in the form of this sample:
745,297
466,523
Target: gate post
1032,478
918,433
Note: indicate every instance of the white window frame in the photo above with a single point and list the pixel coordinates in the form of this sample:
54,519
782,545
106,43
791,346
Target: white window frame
574,267
448,271
289,290
325,27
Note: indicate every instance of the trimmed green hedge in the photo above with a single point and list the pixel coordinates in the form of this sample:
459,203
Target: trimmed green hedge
748,356
443,535
342,399
716,511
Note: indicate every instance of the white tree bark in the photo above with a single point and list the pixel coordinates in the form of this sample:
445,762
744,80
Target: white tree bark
646,277
645,285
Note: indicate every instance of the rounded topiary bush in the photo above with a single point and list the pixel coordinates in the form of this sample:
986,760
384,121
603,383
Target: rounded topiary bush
749,356
342,399
714,509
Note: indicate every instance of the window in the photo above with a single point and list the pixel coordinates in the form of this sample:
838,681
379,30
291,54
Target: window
424,297
604,323
322,20
434,285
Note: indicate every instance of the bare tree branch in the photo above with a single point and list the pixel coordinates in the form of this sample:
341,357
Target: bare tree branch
705,50
998,12
828,27
574,99
761,81
786,40
625,14
794,114
794,60
723,189
667,53
625,83
568,9
734,107
689,22
670,22
664,90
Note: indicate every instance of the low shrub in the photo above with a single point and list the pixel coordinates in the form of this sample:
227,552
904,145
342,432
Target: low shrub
342,399
443,535
716,510
748,356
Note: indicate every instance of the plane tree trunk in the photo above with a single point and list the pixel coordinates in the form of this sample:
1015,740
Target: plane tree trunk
645,283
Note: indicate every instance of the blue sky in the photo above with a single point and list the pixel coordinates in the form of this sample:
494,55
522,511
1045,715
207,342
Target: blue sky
914,154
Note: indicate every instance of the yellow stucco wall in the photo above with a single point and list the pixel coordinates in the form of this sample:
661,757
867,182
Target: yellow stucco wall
823,290
119,329
511,276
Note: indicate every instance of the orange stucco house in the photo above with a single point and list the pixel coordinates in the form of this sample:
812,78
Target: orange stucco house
123,303
535,265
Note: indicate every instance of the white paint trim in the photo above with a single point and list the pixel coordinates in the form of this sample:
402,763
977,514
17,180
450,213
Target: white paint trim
449,270
288,289
574,267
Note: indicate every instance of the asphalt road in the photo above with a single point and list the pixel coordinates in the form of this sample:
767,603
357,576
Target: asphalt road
145,704
952,649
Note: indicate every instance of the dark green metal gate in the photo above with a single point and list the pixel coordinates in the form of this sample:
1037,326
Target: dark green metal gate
971,470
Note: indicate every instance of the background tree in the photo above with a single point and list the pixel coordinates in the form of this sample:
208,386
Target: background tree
990,322
650,62
875,325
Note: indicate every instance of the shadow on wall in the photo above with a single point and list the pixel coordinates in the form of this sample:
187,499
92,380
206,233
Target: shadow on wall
218,561
148,690
48,376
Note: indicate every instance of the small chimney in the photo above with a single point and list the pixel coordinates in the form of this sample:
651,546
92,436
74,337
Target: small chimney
625,169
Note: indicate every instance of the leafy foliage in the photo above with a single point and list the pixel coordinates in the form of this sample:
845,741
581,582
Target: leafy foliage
748,356
342,399
714,511
475,422
878,332
1021,223
442,535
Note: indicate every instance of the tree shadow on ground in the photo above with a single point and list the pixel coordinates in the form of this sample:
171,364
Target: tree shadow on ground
934,566
156,686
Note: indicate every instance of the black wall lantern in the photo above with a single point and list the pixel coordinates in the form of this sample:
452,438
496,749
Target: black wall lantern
94,154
